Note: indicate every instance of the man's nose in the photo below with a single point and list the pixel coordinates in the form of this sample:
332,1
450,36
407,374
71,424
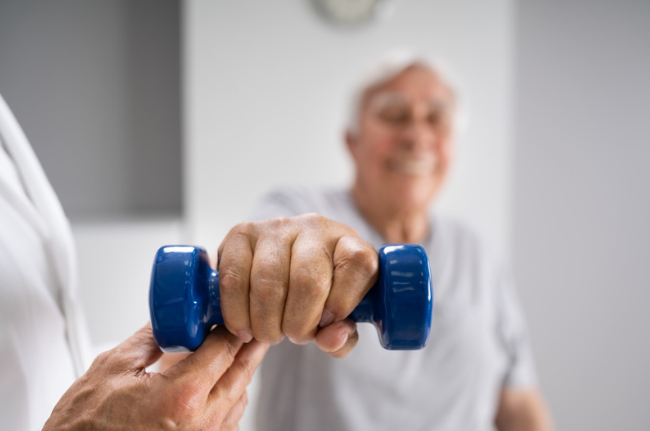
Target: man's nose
418,135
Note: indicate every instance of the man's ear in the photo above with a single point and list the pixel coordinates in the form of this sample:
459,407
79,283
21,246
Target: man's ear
351,140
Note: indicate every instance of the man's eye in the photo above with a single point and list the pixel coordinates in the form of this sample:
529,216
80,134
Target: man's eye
437,118
395,116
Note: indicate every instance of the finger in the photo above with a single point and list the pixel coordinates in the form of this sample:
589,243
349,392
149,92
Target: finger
209,362
269,285
338,339
232,385
169,359
136,352
231,422
234,265
355,271
310,280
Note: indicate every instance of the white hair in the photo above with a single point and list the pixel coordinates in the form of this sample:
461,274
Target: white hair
391,65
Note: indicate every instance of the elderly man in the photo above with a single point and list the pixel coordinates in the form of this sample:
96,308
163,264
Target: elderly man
301,273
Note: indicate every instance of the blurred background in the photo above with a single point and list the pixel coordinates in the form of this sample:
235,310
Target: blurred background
162,122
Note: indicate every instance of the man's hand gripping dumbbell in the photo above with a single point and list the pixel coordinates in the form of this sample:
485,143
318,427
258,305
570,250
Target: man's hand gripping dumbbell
305,277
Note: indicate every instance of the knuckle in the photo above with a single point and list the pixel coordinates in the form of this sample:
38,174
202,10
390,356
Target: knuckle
274,228
267,290
309,283
367,261
102,360
242,229
113,361
312,219
361,261
186,401
278,222
230,281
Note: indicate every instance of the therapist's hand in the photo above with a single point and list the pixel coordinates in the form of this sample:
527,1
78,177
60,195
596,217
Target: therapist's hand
298,276
205,391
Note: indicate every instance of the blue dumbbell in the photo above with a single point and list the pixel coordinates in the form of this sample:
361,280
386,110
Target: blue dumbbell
184,298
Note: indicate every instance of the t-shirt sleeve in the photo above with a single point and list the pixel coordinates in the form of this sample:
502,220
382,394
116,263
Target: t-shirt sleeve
513,333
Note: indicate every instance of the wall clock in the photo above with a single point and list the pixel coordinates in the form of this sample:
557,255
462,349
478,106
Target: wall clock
352,13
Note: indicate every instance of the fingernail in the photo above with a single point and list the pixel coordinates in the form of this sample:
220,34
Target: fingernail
326,319
300,342
342,338
245,336
345,337
276,342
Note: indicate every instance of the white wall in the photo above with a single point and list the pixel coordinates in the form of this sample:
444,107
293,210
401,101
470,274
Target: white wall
582,206
265,92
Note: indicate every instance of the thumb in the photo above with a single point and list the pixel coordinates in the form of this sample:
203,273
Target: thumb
139,350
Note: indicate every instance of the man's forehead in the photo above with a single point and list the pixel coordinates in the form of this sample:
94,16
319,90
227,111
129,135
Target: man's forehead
416,83
387,99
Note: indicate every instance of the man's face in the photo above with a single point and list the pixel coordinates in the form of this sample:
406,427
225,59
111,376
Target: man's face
402,148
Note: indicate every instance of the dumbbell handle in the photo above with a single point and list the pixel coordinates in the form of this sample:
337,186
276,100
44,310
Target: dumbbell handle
185,302
363,312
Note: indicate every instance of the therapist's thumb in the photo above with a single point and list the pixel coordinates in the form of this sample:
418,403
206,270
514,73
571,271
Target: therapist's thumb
136,352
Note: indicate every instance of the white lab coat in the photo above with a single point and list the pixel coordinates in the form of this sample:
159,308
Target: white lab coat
43,338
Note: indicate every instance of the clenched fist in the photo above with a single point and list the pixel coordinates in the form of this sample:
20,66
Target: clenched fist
298,276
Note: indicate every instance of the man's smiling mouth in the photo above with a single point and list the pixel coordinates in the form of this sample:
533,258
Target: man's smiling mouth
420,166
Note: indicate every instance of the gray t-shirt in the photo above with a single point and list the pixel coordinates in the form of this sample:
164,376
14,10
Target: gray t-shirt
478,344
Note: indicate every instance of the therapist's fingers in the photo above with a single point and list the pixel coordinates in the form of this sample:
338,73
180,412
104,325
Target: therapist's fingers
356,266
134,354
231,422
338,339
202,369
201,392
232,385
234,265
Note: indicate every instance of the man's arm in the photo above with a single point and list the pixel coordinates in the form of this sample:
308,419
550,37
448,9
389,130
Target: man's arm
522,410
